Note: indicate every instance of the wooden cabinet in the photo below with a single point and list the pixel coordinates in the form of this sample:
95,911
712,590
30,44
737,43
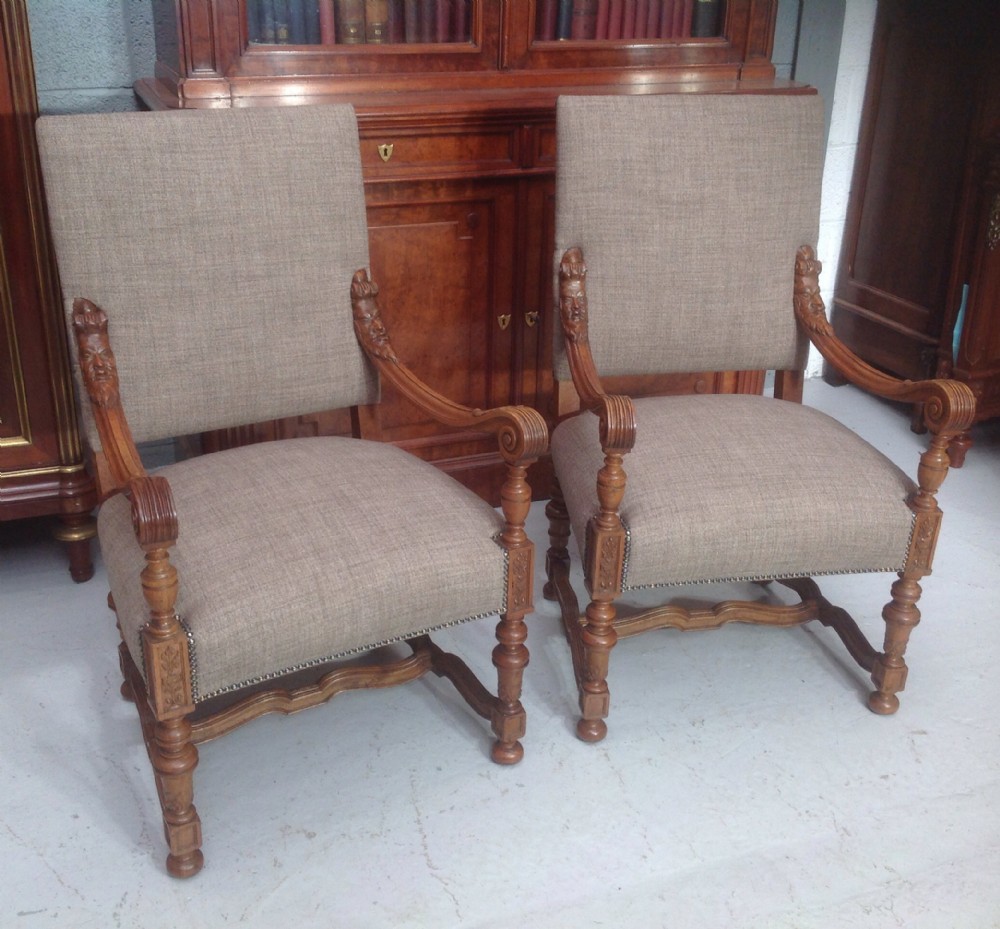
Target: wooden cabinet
41,464
458,149
918,247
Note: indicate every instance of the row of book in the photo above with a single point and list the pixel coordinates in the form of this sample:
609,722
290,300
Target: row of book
627,19
376,22
356,22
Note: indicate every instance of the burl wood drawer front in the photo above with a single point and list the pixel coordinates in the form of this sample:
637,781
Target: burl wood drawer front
406,154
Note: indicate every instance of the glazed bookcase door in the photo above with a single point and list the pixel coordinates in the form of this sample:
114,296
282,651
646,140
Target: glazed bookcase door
215,49
211,52
734,41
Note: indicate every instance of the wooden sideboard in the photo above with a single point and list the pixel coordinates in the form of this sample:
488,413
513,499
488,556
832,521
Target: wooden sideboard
41,462
918,289
458,148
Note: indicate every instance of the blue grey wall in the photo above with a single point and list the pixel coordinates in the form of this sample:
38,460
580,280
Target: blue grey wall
87,53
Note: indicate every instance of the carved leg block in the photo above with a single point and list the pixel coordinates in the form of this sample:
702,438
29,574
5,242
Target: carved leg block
889,673
508,728
593,711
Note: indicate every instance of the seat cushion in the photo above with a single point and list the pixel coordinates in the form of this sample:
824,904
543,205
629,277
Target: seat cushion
726,487
295,552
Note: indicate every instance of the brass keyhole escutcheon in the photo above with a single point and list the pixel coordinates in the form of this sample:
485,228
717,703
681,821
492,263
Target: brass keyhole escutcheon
385,151
531,317
504,320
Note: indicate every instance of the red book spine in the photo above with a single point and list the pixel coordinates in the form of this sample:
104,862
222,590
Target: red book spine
327,23
667,19
442,25
428,20
397,26
628,19
411,20
686,18
584,25
546,26
601,29
461,21
653,20
678,29
615,19
641,16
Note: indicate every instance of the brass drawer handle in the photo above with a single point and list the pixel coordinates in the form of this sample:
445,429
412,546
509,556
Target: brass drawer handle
531,317
385,151
504,320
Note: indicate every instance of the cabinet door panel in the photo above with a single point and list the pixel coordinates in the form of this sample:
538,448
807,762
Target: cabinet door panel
442,258
540,314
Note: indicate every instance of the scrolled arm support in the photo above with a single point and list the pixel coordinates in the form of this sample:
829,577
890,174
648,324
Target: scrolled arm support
616,413
949,406
154,516
521,431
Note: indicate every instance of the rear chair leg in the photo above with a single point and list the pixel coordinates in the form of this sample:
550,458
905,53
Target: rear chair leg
557,557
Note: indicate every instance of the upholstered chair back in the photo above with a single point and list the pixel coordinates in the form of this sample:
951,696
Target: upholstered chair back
286,278
712,291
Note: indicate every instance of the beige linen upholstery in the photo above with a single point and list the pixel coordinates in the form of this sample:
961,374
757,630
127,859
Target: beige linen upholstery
689,239
735,487
313,575
130,183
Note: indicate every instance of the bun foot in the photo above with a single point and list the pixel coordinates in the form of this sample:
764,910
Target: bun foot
507,752
185,865
591,730
882,703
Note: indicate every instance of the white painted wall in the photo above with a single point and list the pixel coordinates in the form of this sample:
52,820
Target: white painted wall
852,73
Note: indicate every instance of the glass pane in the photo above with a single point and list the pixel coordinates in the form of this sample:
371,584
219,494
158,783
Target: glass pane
358,22
627,19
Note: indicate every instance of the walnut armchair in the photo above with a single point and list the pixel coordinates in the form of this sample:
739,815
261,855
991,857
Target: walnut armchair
222,254
685,233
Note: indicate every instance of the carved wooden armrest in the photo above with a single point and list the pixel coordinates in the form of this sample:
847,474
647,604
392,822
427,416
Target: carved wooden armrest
154,516
616,413
521,431
100,378
949,406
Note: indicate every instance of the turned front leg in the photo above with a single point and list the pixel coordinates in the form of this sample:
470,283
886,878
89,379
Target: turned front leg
901,613
510,657
174,759
889,674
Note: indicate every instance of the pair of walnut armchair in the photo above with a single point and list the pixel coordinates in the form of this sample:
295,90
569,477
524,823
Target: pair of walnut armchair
217,252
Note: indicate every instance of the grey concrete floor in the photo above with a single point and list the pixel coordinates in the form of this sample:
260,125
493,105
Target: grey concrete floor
743,782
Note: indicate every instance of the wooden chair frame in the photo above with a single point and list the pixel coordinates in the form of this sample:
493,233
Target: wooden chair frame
949,409
170,723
